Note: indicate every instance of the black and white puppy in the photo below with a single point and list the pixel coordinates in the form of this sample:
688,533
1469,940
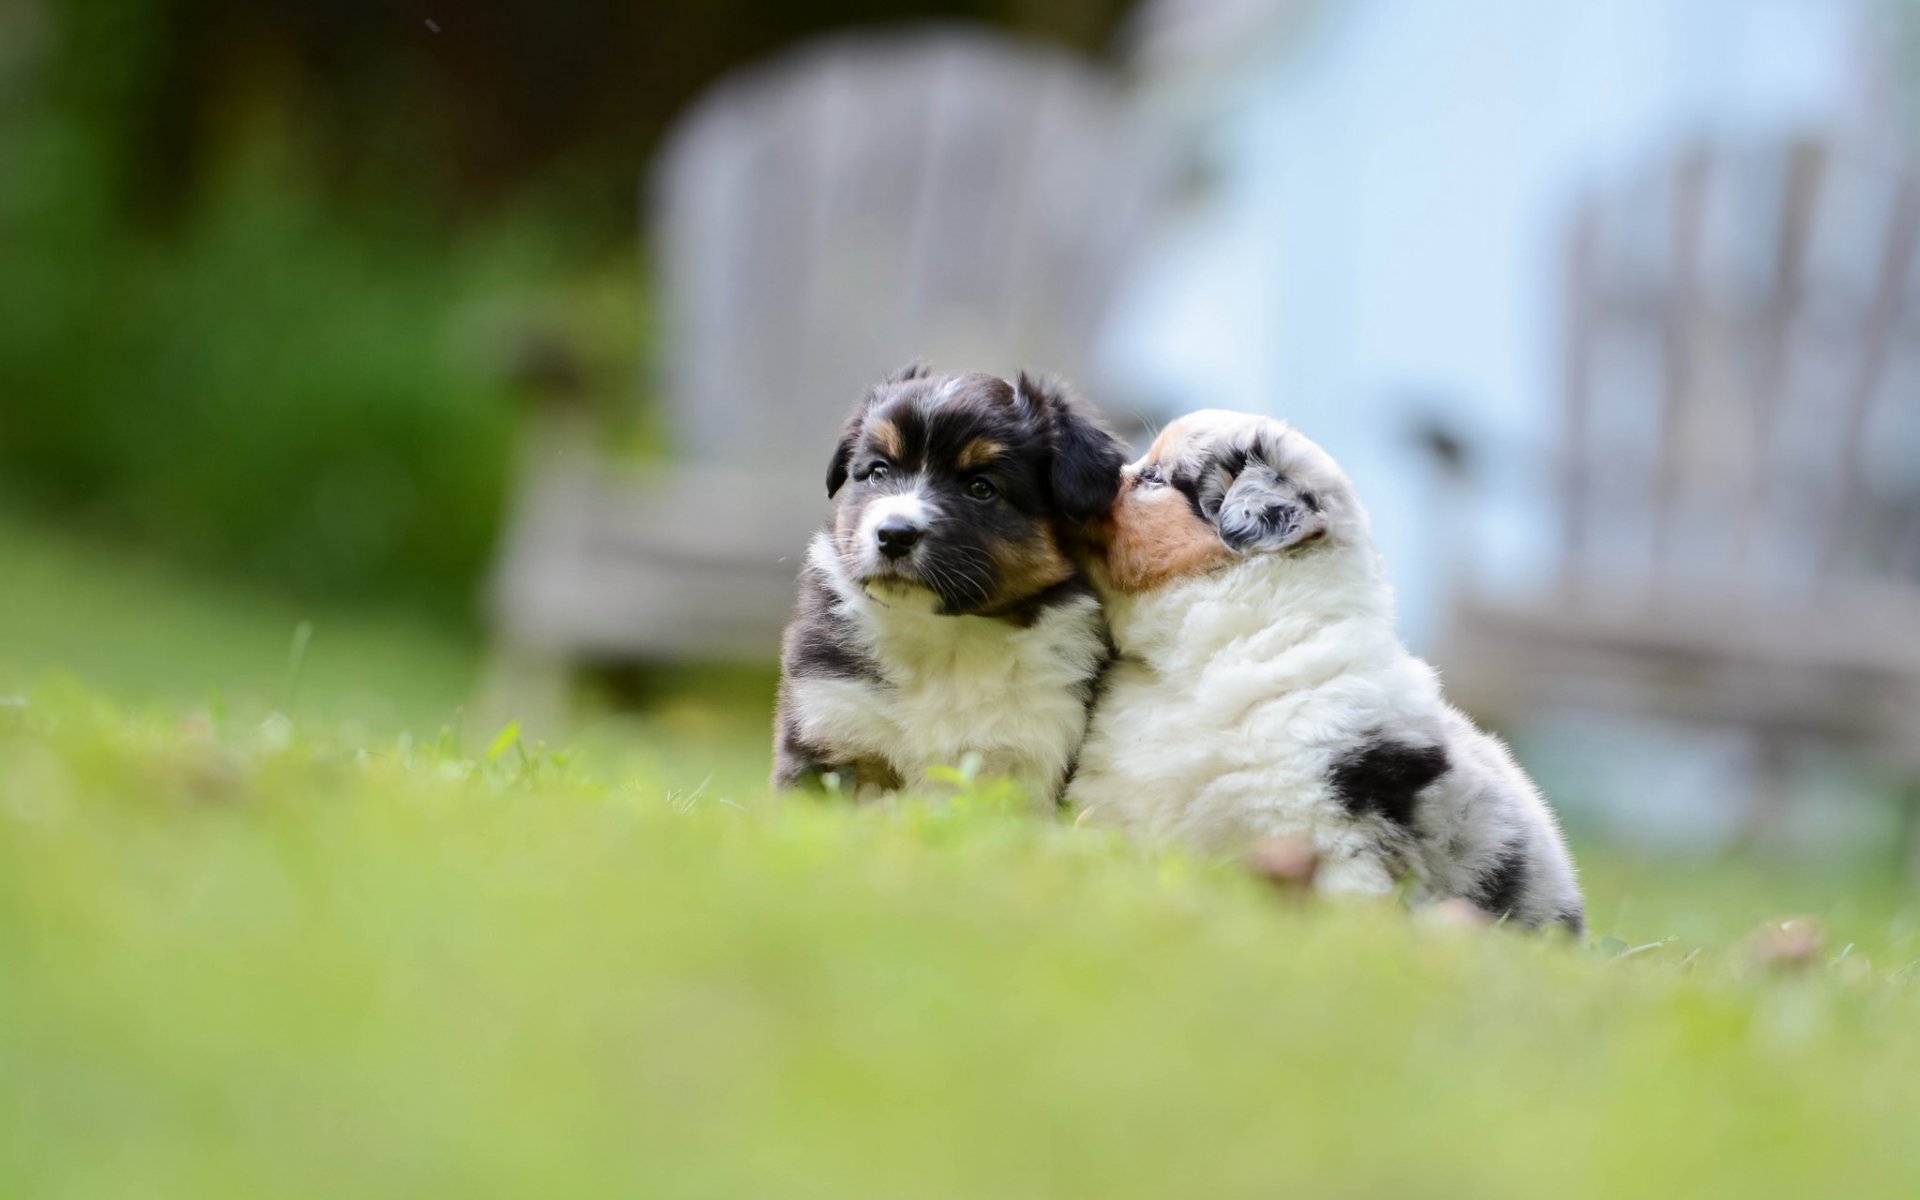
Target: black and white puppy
1261,689
942,614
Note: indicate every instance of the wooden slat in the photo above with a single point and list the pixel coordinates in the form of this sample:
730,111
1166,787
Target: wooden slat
1685,320
1576,472
1805,167
1889,299
1906,555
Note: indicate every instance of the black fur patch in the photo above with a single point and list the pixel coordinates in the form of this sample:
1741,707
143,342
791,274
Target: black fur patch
821,641
823,655
1025,612
1500,887
1086,457
1384,778
1189,487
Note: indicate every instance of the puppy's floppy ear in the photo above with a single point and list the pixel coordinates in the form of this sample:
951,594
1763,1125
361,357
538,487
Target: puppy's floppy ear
1086,457
843,451
1262,510
850,432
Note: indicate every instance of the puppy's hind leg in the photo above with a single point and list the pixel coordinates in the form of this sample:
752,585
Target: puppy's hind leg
1530,883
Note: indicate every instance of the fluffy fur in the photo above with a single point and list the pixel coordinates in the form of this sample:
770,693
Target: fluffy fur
1261,690
942,614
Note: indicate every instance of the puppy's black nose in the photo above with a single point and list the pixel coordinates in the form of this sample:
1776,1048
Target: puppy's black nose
897,536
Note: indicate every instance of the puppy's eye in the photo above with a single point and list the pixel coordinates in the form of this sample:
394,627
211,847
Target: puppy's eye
981,488
876,470
1151,477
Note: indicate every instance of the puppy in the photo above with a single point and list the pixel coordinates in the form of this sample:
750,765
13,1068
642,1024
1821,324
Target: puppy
1261,690
942,613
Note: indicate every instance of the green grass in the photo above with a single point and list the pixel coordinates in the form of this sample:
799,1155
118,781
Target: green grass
143,631
245,954
248,962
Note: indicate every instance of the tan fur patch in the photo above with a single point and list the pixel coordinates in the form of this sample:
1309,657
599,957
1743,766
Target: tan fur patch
979,452
1031,566
1157,538
887,439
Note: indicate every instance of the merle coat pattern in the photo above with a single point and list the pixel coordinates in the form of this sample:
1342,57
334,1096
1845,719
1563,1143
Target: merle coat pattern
1260,688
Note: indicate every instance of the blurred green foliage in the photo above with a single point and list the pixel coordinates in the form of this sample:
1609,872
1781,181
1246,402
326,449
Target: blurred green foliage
258,261
262,383
264,389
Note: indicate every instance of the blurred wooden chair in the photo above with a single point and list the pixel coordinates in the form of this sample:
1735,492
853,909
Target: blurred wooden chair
1739,484
817,222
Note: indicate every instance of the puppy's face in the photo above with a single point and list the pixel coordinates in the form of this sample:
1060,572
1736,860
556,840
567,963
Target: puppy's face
1217,487
955,492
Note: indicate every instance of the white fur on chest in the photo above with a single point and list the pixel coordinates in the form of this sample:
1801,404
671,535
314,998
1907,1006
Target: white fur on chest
1221,719
956,686
1230,713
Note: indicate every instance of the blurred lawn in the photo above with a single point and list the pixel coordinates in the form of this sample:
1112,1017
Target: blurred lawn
146,631
150,635
246,956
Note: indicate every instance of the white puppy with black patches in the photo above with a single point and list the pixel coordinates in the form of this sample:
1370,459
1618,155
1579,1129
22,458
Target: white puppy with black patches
1261,689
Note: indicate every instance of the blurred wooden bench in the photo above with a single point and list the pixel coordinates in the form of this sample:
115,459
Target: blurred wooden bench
1739,484
817,222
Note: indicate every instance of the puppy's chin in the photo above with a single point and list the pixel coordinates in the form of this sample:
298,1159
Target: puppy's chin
892,591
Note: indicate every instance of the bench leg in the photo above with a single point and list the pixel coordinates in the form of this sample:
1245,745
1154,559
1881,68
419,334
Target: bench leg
1769,794
1908,843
